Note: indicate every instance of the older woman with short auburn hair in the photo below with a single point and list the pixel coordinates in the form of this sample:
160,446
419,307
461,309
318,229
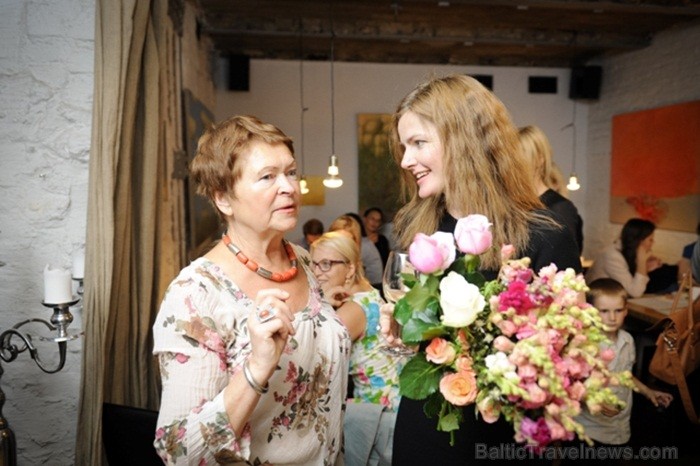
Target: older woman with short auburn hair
253,360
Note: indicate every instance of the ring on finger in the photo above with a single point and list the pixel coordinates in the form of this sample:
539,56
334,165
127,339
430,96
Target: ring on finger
265,314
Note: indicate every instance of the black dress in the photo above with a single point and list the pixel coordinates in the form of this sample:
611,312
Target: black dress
416,438
566,212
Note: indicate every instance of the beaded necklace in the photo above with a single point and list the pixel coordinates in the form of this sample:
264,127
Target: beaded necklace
252,265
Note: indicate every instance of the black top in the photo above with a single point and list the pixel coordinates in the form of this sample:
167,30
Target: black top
416,439
566,214
382,246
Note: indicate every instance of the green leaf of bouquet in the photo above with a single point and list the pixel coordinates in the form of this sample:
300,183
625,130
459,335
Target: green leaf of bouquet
448,422
408,279
476,278
419,378
417,330
433,404
402,311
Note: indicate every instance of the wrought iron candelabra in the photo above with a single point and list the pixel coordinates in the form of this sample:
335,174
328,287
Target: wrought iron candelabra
9,350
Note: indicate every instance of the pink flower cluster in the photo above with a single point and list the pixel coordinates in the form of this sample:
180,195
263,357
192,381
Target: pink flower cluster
546,363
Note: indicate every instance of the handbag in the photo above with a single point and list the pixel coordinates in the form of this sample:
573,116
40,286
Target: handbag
677,351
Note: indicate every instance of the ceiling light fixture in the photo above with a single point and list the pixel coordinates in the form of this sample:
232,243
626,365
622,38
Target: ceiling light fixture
303,186
333,180
573,184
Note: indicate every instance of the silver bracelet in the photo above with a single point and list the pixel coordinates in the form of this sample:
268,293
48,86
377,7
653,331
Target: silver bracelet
260,390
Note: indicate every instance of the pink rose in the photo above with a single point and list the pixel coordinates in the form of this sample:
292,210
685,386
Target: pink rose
432,253
488,410
440,351
473,235
460,388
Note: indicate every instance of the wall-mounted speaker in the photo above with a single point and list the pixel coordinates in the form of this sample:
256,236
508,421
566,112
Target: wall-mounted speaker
238,73
542,84
485,79
585,82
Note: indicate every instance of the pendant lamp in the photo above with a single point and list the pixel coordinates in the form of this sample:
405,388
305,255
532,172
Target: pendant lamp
333,180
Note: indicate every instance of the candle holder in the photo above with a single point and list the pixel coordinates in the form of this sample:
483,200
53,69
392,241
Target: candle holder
59,322
80,286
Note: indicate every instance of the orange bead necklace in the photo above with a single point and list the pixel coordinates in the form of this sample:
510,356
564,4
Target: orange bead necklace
252,265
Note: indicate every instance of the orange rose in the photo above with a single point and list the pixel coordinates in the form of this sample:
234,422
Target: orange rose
440,351
459,388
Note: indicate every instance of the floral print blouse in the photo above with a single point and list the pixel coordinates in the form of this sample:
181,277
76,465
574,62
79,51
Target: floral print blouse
201,339
375,374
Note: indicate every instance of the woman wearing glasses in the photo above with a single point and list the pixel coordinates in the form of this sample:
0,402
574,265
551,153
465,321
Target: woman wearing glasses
335,260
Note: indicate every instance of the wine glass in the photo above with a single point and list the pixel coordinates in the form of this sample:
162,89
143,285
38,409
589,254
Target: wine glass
394,289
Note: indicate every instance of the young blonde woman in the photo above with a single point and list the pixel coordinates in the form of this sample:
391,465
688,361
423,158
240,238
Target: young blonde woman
460,155
335,259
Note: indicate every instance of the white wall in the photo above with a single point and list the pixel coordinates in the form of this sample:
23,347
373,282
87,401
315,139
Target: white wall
274,96
46,85
667,72
46,82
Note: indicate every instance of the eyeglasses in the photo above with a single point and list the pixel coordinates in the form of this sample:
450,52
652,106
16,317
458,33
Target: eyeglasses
326,264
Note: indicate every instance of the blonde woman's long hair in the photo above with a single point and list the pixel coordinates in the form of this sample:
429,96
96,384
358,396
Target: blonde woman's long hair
487,173
538,151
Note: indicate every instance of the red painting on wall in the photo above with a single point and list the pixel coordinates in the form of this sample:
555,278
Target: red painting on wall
655,169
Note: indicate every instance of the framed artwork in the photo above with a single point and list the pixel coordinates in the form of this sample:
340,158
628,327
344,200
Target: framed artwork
379,184
655,166
202,220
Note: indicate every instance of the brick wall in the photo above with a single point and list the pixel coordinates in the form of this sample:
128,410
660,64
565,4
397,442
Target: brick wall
665,73
46,82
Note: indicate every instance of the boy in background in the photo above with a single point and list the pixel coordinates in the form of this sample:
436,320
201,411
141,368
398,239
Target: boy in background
611,427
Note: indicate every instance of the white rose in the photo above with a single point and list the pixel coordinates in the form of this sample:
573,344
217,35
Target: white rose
460,300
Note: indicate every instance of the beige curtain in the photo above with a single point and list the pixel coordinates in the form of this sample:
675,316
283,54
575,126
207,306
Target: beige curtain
135,224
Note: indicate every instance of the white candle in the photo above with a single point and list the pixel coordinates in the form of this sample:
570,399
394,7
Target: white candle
79,264
57,286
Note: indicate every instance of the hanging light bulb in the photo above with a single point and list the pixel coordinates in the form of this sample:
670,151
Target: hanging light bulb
573,184
333,180
303,185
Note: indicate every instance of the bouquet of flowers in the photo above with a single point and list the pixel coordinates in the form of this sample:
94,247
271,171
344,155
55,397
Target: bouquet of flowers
522,346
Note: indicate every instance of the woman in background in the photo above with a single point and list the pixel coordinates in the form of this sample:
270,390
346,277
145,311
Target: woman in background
370,258
538,151
335,260
460,155
629,260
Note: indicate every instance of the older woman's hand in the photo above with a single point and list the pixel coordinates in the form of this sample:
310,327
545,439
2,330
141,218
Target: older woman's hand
269,325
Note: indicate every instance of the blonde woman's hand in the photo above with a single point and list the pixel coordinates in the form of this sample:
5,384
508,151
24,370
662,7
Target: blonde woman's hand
388,326
269,324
